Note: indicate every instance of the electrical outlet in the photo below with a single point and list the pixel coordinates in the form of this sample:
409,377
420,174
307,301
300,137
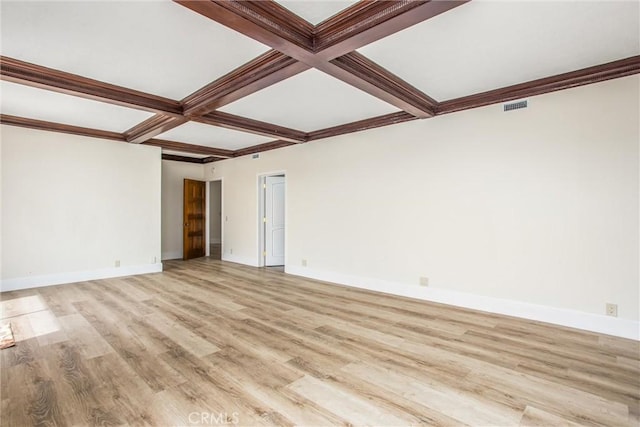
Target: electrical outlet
612,309
117,263
424,281
304,262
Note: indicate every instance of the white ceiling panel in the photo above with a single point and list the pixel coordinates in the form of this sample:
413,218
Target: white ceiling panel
157,47
316,11
309,101
213,136
40,104
485,45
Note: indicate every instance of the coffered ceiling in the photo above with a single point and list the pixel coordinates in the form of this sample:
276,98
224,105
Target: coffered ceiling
207,80
290,102
493,44
156,47
214,136
26,101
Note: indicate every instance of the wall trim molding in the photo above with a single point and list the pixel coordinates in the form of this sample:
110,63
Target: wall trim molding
559,316
76,276
240,260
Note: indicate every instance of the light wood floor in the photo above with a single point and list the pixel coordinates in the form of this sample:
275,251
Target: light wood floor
208,343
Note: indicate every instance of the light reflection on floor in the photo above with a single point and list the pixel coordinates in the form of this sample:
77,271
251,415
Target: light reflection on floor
30,317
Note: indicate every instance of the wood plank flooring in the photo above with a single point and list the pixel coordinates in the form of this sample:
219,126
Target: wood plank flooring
213,343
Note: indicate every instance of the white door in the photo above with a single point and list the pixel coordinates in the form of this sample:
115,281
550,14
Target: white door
274,221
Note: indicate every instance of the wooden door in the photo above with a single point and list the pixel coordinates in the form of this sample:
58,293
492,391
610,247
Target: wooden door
194,219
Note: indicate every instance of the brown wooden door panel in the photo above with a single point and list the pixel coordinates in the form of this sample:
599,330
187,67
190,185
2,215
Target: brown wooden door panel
194,219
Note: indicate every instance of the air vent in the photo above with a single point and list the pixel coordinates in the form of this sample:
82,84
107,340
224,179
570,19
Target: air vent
515,105
255,156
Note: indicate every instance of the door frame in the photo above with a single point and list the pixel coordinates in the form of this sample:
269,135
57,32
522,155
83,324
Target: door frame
260,230
222,217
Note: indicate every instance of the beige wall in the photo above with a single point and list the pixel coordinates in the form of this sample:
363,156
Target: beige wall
1,238
173,175
74,204
537,205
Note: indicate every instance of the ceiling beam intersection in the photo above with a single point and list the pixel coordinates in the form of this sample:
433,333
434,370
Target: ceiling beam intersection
321,47
296,46
152,127
267,69
585,76
169,113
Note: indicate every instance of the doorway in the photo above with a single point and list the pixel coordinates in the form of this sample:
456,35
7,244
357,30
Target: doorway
215,219
272,220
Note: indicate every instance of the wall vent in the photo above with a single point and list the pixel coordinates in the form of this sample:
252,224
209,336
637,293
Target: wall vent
255,156
515,105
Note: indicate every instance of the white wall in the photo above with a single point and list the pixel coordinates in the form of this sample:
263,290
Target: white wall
215,211
1,244
173,175
72,206
537,206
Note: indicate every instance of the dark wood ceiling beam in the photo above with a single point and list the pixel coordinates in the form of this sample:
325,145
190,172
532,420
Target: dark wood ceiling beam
33,75
231,121
267,69
212,159
356,26
214,154
152,127
374,122
598,73
262,147
612,70
368,21
186,159
355,69
59,127
267,22
190,148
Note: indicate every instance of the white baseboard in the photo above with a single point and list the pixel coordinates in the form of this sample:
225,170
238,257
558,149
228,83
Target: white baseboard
240,260
171,255
565,317
76,276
